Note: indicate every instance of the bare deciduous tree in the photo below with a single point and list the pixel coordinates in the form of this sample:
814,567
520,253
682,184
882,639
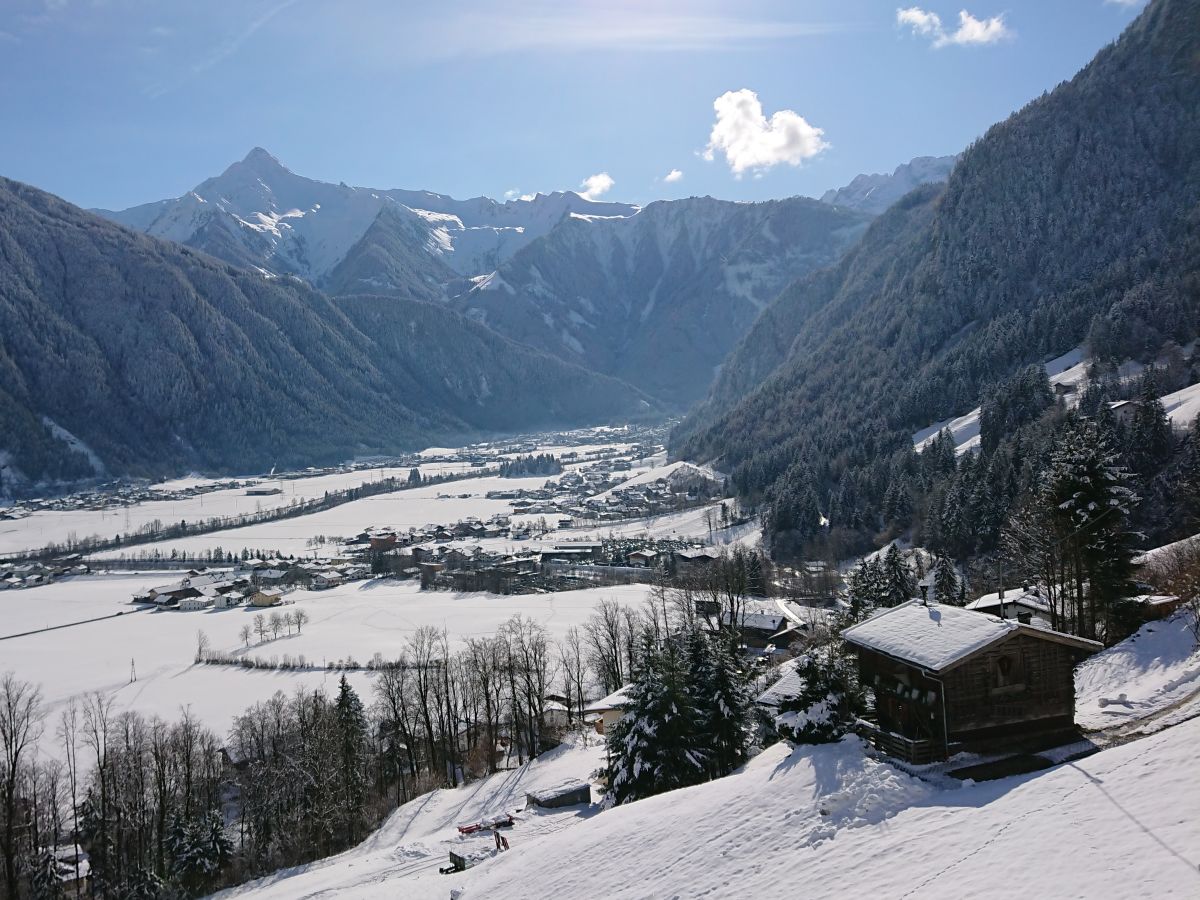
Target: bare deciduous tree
20,727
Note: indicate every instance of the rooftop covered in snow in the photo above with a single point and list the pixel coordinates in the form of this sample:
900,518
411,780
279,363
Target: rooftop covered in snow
937,638
615,700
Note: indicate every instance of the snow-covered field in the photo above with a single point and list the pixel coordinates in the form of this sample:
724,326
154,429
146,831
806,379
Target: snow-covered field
45,527
356,621
434,504
1150,675
826,821
690,524
1183,406
49,526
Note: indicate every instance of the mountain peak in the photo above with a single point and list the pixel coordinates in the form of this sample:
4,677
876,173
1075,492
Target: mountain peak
262,161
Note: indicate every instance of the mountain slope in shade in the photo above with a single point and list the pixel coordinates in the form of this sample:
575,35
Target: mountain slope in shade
875,193
259,213
659,298
142,356
1073,220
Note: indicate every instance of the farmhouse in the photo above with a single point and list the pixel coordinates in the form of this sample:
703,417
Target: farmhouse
325,580
608,710
947,679
643,558
266,597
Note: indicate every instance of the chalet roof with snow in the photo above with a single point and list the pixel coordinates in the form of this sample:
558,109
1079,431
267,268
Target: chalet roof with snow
615,700
1028,598
788,685
937,638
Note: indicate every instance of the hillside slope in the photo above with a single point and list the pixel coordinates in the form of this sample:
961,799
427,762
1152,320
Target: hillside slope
814,821
828,822
659,298
1074,219
158,358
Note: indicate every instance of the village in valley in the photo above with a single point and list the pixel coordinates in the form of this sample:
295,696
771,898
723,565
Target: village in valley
574,548
760,458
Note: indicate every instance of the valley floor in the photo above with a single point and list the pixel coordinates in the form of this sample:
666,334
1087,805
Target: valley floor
354,621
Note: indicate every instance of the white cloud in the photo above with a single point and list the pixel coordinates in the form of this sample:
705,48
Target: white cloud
512,193
751,141
673,176
595,185
922,22
970,29
1128,4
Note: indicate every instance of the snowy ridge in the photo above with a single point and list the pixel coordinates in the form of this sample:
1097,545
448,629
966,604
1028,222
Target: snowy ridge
875,193
300,226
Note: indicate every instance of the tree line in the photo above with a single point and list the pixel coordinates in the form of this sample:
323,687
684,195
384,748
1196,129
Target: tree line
171,809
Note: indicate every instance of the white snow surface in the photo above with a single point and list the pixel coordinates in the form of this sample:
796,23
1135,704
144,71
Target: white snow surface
829,821
932,637
1183,406
405,853
822,822
54,526
353,621
1148,674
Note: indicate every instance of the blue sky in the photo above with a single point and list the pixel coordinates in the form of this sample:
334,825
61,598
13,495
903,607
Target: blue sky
117,102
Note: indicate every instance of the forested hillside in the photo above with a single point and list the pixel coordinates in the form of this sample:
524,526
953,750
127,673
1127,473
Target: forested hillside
1073,221
659,298
158,358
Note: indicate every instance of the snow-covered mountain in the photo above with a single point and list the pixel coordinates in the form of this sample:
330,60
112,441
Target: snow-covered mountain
658,294
352,239
659,298
875,193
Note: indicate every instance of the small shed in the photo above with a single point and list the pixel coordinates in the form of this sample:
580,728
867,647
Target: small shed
569,793
946,678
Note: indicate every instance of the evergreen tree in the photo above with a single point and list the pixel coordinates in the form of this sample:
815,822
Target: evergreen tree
898,580
867,586
1086,499
1150,441
719,698
414,477
655,746
197,848
352,740
43,877
945,581
1189,482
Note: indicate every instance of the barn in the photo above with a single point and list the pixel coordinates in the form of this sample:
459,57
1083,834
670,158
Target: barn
947,679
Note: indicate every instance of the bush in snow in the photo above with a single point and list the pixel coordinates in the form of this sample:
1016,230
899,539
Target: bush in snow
830,701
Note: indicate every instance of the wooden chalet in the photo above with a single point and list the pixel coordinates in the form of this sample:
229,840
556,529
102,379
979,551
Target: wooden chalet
947,679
